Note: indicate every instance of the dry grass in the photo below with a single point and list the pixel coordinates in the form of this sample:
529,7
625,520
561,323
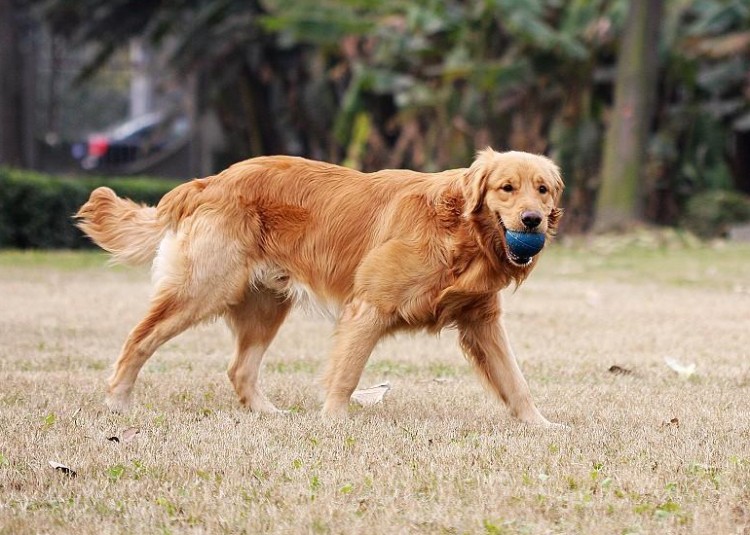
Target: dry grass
439,456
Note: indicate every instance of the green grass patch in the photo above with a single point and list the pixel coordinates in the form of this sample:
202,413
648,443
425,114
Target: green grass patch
58,259
674,262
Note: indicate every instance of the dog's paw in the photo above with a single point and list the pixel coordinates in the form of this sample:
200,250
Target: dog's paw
335,411
266,408
257,402
537,420
555,426
546,424
118,404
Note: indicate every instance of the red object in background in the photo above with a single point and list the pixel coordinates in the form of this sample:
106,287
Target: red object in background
98,146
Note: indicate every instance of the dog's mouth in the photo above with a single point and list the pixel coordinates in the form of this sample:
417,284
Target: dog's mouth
516,260
520,261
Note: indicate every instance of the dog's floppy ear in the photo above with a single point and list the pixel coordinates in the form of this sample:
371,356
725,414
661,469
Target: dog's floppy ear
553,220
474,181
557,182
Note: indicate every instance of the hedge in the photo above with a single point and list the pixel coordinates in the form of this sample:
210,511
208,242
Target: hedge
36,209
710,214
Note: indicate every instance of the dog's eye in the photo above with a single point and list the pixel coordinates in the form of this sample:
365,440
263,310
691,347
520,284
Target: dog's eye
543,189
507,187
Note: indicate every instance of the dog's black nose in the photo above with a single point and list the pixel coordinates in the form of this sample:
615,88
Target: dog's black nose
531,219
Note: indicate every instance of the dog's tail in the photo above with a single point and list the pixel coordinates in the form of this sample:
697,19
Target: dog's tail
131,232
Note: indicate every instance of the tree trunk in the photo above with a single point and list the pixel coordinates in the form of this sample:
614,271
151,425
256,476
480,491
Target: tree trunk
11,83
142,83
619,204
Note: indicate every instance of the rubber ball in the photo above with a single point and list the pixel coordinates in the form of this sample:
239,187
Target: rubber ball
524,244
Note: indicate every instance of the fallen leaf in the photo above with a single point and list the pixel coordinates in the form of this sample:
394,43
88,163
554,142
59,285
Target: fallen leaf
674,422
442,380
129,434
371,396
62,468
683,370
619,370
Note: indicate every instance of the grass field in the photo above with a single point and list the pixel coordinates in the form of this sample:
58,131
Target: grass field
647,451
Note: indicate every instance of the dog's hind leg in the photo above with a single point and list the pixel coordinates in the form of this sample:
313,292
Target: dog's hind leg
254,321
359,329
195,281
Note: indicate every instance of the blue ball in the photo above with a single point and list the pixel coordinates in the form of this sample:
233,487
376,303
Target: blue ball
524,244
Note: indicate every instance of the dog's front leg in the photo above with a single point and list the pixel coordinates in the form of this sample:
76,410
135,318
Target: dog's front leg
359,329
485,344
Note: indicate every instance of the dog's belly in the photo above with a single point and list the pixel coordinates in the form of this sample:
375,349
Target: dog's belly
279,280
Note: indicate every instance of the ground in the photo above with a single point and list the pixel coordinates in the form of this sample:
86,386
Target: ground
645,452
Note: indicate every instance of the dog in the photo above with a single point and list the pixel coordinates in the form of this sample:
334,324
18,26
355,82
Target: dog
386,251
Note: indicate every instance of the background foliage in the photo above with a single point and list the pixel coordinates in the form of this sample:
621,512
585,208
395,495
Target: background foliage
36,210
424,84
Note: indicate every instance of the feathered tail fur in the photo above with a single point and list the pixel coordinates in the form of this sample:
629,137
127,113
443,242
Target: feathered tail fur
131,232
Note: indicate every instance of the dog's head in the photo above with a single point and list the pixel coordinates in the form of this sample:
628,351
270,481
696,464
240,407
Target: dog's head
516,191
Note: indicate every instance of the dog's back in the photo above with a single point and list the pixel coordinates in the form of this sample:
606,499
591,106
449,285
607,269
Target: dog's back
310,220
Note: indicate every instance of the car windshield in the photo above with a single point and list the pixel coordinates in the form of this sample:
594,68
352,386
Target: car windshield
131,127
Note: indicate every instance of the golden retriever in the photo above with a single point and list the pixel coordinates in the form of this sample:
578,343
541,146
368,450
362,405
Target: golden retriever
385,251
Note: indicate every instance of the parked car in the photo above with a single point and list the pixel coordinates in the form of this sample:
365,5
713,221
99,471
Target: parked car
132,140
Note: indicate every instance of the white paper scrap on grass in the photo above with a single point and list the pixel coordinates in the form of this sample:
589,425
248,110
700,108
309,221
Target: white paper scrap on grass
371,396
683,370
62,468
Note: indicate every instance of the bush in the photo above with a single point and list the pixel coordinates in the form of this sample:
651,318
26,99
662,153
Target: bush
709,214
36,210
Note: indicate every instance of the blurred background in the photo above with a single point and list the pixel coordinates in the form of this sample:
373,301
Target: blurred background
645,104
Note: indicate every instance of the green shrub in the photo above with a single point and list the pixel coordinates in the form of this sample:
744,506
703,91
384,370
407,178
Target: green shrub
709,214
36,210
